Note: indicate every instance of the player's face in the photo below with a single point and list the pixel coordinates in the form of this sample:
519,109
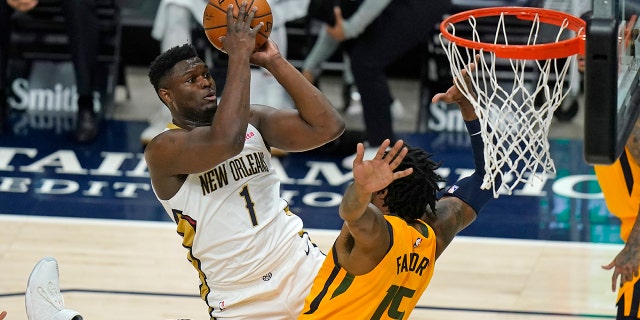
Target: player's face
193,91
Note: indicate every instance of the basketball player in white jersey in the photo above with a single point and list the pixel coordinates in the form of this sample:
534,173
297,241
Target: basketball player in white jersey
212,173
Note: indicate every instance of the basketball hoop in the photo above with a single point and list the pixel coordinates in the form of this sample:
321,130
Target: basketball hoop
514,129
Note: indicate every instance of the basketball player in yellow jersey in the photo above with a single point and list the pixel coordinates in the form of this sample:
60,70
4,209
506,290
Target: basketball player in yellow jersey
620,184
394,229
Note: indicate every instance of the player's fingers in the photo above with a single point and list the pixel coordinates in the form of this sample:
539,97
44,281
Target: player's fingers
398,159
359,154
242,15
609,266
465,84
251,14
476,59
257,28
624,277
465,73
614,280
230,15
402,174
382,149
441,97
393,153
628,277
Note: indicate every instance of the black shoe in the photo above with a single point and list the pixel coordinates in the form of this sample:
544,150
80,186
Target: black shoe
86,126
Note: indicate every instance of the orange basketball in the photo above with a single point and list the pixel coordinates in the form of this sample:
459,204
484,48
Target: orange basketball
214,20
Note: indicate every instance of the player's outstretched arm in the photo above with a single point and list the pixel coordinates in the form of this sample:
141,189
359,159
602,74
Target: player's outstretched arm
364,238
454,95
369,177
461,202
315,121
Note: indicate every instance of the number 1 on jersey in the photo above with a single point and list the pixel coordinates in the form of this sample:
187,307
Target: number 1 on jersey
249,205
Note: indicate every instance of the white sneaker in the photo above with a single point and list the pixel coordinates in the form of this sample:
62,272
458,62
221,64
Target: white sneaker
43,299
397,109
355,108
157,124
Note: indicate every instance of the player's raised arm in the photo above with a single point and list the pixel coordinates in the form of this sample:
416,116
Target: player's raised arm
461,201
315,120
363,220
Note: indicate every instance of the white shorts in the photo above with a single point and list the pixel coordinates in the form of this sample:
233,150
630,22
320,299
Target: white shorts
279,294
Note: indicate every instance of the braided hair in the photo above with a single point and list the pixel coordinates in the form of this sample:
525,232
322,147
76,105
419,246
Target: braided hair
409,197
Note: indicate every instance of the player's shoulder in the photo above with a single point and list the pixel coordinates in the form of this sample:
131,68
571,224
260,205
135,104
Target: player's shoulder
163,143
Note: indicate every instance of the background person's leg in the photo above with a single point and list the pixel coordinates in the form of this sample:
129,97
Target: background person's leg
402,26
84,39
5,26
176,31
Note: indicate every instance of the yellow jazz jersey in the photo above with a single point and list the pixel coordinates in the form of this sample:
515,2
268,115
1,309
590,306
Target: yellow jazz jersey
389,291
620,184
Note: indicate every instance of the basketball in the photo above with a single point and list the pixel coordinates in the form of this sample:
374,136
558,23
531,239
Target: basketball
214,20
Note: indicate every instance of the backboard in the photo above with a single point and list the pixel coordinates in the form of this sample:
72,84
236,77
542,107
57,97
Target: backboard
612,96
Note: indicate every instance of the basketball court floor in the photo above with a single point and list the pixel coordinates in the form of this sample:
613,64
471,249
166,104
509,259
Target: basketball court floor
535,254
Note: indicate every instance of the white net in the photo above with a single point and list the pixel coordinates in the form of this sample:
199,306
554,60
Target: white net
515,114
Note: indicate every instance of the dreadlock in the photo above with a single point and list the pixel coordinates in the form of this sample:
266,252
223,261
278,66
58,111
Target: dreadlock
160,67
409,197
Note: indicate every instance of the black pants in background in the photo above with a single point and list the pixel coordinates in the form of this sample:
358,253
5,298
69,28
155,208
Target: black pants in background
83,30
402,26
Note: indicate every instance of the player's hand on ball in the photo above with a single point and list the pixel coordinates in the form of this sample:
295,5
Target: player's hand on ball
216,22
240,38
267,53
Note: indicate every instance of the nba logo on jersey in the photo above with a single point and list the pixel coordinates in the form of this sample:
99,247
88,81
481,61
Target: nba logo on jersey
452,189
221,305
417,243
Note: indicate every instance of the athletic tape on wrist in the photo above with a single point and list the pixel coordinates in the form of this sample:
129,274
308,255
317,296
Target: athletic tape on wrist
468,189
477,146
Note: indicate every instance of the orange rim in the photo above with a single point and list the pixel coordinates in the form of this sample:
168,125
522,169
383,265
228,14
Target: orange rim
560,49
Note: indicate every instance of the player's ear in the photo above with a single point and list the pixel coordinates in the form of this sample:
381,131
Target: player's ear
165,96
377,198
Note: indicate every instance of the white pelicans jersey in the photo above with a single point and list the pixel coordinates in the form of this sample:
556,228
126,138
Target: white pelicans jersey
240,236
